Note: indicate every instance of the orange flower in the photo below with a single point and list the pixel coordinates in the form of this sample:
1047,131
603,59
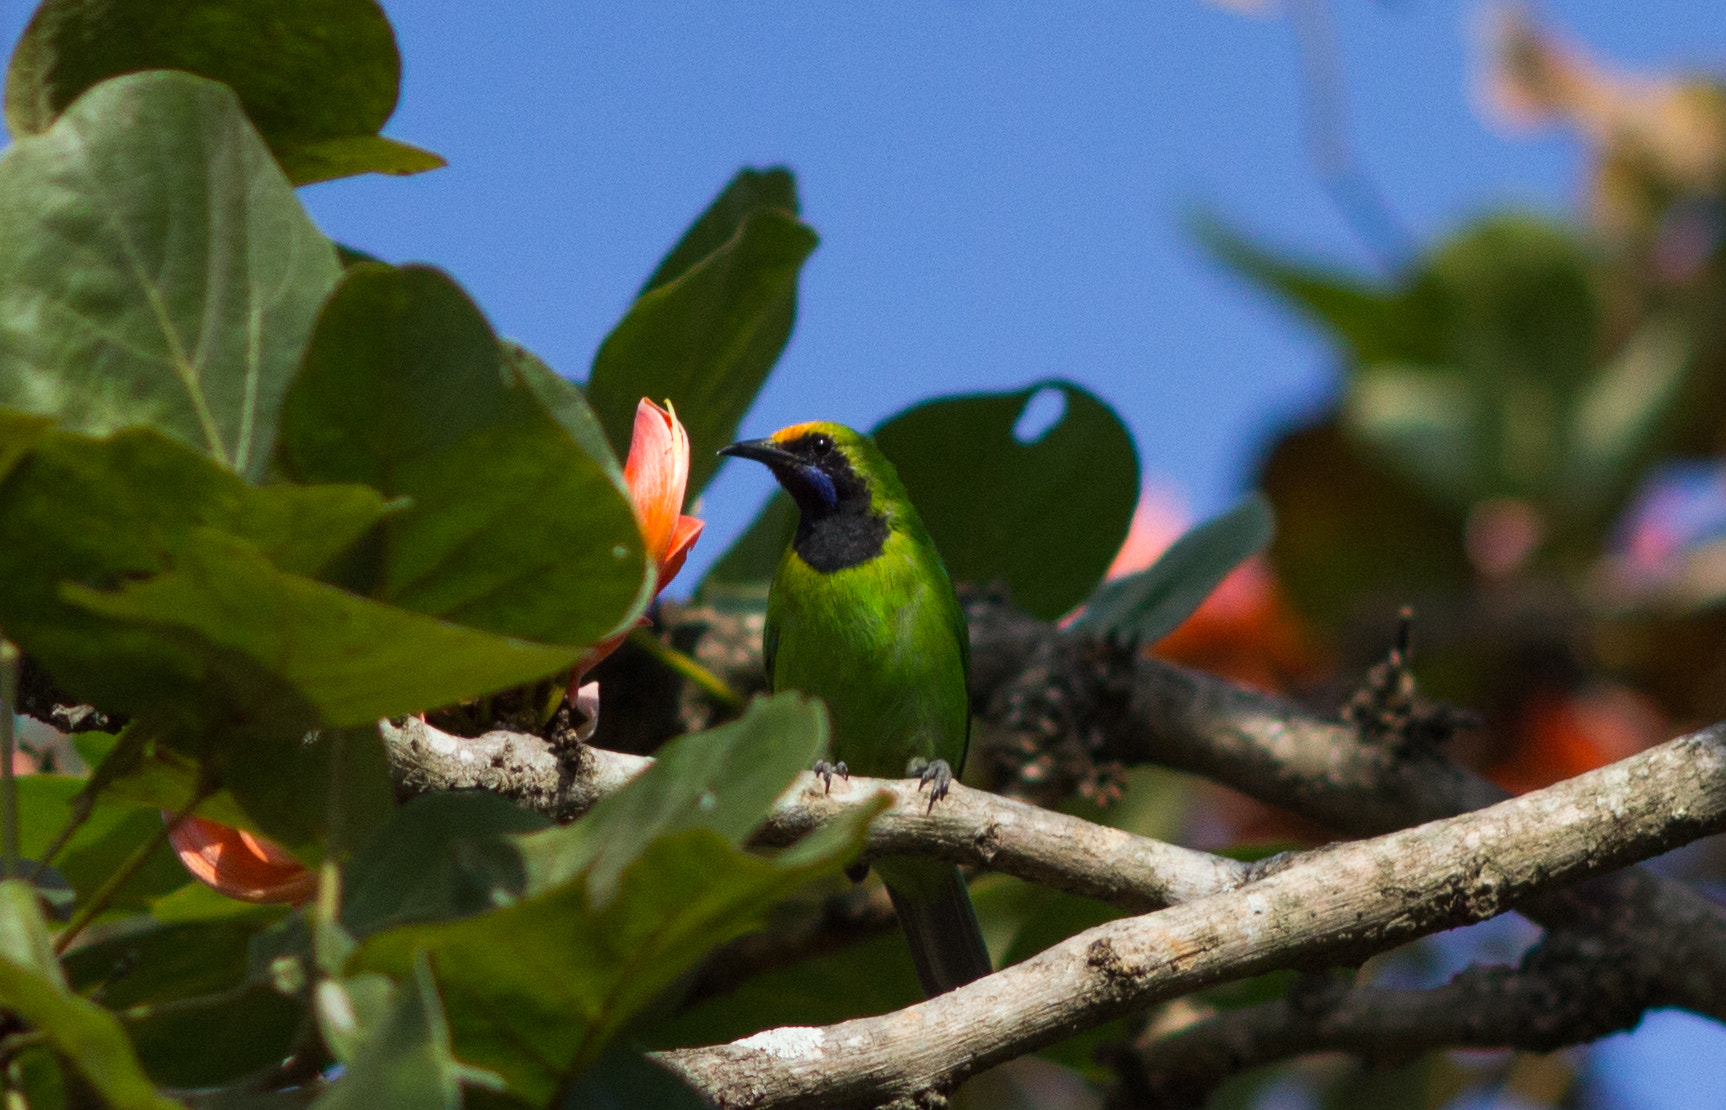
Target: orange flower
239,864
657,474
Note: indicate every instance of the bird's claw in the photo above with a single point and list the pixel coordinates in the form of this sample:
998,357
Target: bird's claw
936,775
825,772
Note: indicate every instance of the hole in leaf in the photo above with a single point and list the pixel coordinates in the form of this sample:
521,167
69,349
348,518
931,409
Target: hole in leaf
1041,413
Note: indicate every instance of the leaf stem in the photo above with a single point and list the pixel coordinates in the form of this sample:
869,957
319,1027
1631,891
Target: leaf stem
688,666
127,753
9,666
127,869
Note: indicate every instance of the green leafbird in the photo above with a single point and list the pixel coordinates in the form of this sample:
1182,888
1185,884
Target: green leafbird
862,615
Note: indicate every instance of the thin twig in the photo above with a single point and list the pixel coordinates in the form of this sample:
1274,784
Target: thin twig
126,754
688,666
1324,99
127,869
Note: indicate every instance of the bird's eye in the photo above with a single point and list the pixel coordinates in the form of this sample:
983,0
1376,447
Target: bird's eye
820,444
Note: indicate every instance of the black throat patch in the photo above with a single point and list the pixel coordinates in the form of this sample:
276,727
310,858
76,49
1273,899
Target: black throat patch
840,539
838,525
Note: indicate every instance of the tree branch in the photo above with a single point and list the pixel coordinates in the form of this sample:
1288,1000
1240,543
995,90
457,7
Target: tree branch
1136,709
971,827
1331,905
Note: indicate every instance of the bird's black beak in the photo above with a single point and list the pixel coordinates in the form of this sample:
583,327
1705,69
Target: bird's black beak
762,451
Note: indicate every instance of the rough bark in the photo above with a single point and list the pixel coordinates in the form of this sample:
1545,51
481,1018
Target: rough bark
1332,905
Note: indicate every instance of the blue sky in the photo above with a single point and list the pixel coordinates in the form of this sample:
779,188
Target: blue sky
999,187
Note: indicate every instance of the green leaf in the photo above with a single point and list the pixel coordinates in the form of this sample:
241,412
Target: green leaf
440,856
624,900
1046,516
283,654
1147,606
104,511
306,162
188,1007
540,1012
158,270
724,780
1373,324
325,794
216,1040
80,1031
514,527
319,78
24,939
563,400
740,577
407,1062
163,964
706,338
112,832
748,192
1475,375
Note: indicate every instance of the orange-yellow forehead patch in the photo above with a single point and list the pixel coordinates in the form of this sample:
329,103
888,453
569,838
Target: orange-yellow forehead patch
795,431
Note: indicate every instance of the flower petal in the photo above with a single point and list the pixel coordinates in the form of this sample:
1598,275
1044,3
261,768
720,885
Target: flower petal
240,865
657,474
683,538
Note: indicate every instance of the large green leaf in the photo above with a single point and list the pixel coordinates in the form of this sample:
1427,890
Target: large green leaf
1045,516
514,527
539,1013
724,780
748,192
188,1007
319,78
81,1032
281,654
157,270
624,900
441,856
1147,606
704,334
405,1063
99,512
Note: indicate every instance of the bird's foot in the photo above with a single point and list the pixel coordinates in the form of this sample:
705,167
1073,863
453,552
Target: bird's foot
936,775
825,772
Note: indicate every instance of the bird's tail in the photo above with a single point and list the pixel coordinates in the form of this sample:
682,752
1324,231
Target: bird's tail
934,908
